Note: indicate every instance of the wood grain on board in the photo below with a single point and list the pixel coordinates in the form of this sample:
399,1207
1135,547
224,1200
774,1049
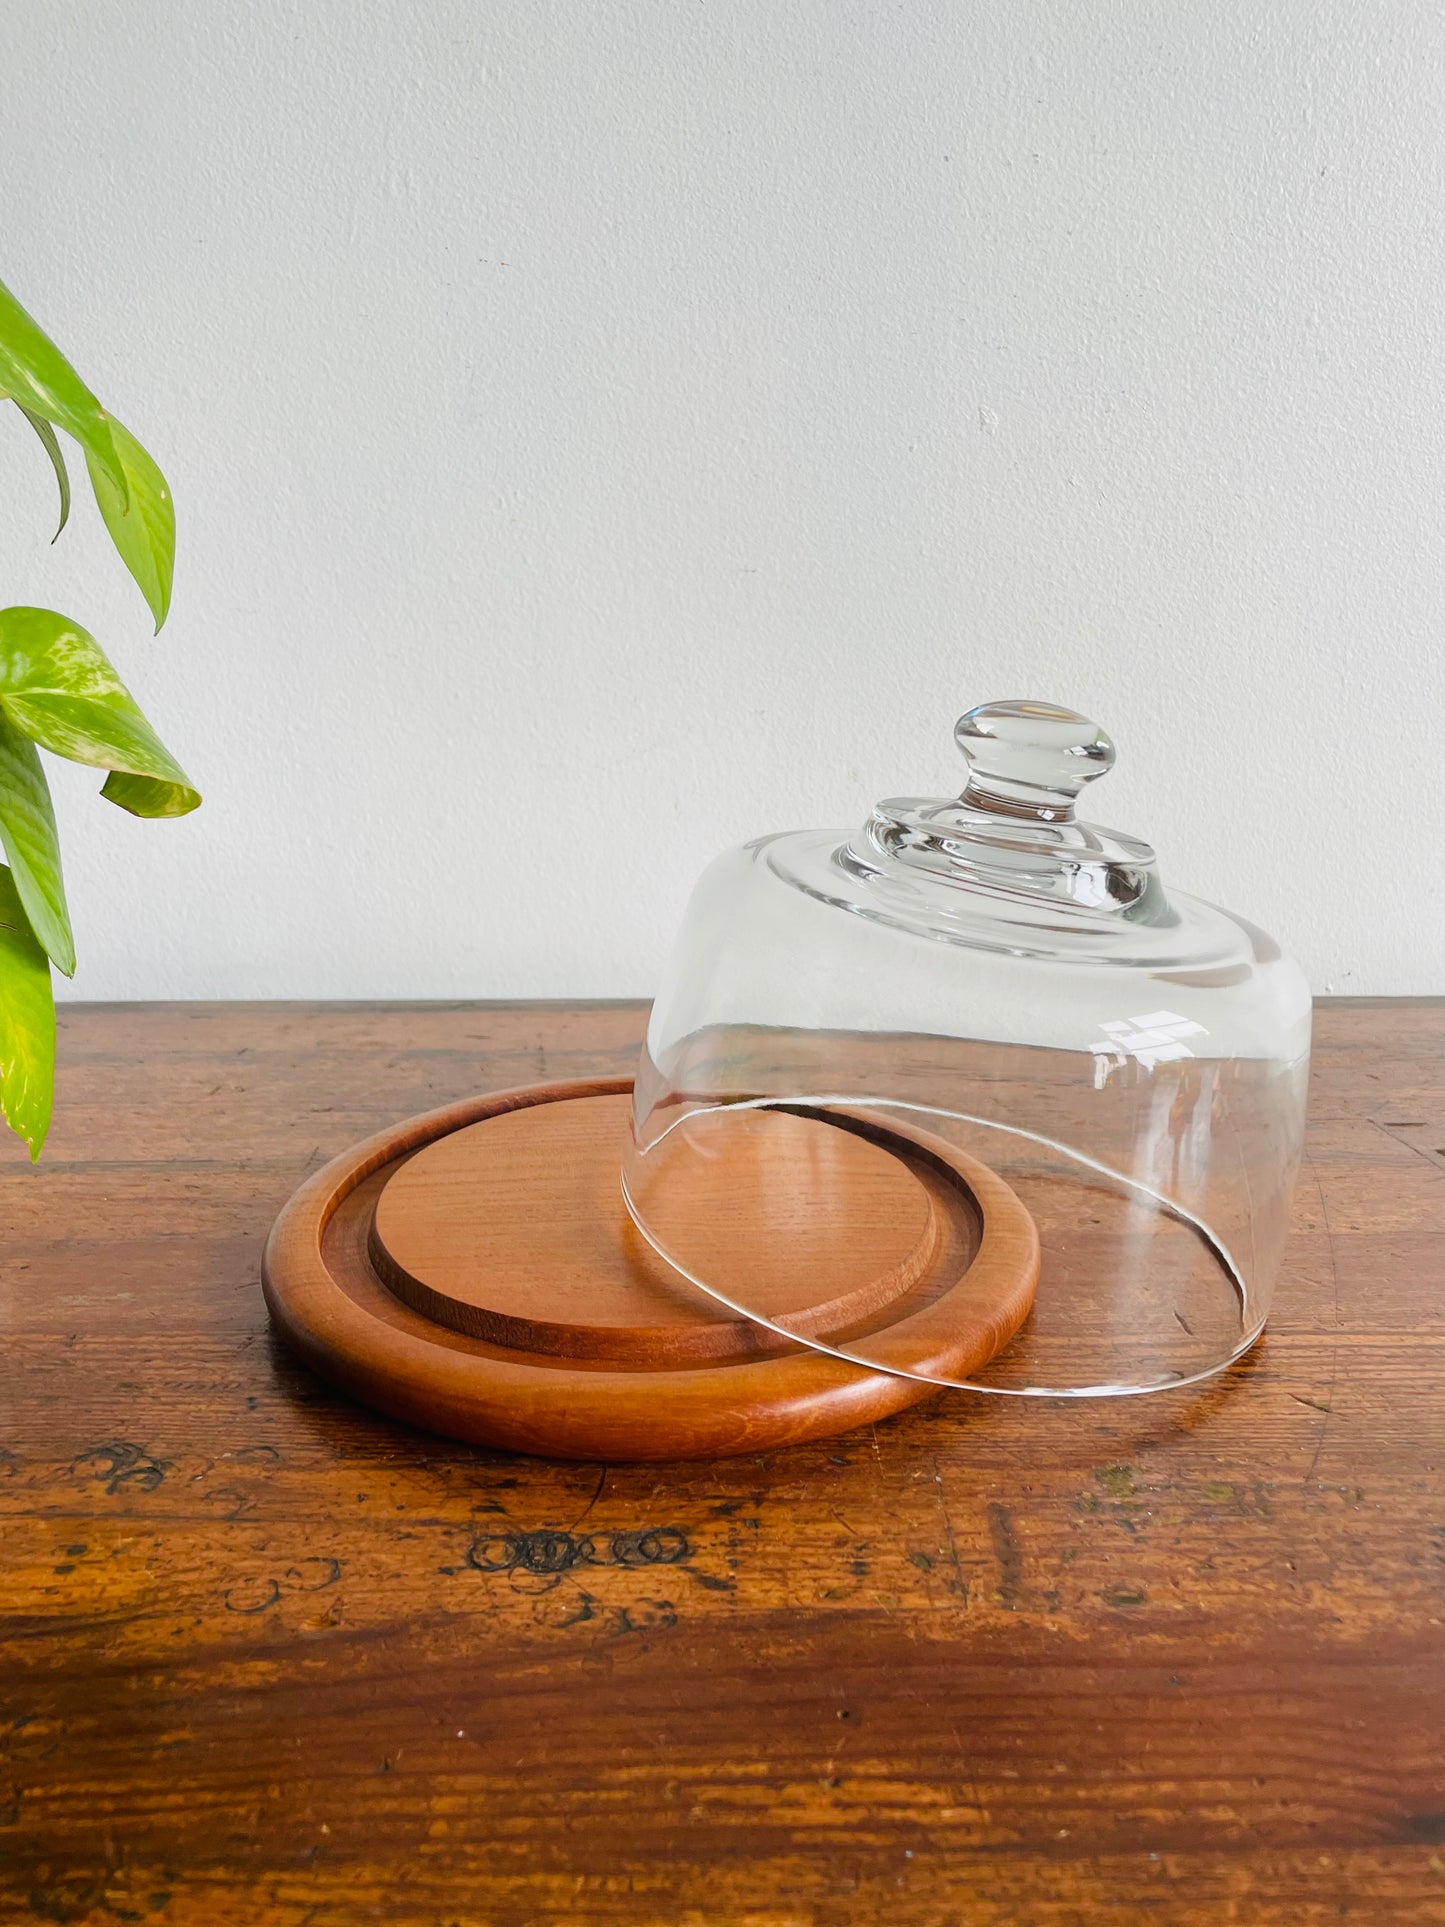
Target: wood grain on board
514,1229
506,1299
268,1659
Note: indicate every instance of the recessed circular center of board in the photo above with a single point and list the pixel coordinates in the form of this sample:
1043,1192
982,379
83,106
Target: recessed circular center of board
508,1230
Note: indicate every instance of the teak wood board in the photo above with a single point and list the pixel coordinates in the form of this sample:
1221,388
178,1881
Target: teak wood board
267,1659
474,1270
514,1229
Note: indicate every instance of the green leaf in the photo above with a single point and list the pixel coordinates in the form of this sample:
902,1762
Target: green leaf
27,1023
141,518
59,689
27,831
35,373
50,442
149,796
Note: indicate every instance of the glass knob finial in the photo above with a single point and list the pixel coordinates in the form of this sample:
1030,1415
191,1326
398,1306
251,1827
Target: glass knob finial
1030,759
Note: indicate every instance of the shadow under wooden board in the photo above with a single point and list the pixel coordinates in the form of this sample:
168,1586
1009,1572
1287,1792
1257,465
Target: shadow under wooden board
474,1271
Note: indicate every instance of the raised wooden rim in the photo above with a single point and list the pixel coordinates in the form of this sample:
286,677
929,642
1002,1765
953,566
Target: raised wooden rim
535,1405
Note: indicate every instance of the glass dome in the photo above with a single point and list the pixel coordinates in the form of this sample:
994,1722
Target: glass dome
983,981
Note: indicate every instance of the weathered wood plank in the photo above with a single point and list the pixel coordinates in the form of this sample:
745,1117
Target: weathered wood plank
267,1659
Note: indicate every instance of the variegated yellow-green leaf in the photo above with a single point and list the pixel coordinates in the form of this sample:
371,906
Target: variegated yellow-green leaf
27,831
27,1023
58,688
50,442
35,373
59,691
141,518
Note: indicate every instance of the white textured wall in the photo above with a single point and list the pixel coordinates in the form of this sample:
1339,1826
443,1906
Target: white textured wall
603,432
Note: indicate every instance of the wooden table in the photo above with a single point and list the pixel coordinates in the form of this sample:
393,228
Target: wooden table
267,1659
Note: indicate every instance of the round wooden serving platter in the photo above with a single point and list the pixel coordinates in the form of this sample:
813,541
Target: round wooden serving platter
474,1272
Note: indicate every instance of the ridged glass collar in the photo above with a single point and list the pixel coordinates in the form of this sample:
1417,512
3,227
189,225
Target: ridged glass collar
1008,865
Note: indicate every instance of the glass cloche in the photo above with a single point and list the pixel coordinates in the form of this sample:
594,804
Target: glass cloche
989,988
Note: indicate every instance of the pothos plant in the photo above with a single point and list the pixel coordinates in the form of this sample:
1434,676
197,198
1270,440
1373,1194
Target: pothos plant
58,692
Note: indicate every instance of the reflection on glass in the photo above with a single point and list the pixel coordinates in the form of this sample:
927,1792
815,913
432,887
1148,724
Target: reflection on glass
990,982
